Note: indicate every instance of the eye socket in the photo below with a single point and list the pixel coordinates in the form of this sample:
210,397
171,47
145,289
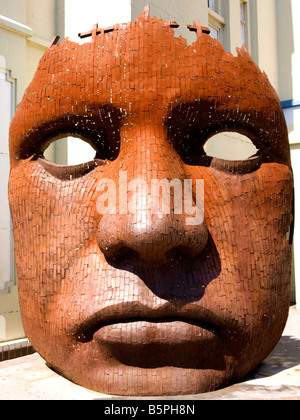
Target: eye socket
232,152
230,146
69,150
228,151
69,156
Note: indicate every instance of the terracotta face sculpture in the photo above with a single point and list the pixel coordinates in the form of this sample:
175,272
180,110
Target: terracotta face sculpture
144,303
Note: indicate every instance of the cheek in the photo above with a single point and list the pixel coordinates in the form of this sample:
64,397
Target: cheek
248,218
54,223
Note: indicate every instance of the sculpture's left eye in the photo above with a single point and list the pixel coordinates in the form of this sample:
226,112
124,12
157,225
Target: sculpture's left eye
230,146
229,151
232,152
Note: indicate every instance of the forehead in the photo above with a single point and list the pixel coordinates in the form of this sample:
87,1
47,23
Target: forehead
140,71
145,62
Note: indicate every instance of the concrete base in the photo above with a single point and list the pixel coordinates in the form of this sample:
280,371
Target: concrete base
278,377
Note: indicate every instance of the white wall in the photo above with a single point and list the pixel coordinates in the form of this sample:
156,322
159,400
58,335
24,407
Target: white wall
292,116
296,54
293,121
295,149
13,9
26,30
264,45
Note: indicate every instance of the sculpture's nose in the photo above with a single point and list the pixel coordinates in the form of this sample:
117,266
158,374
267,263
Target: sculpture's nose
152,241
153,220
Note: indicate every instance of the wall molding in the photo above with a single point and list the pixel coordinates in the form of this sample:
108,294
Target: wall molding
14,26
38,42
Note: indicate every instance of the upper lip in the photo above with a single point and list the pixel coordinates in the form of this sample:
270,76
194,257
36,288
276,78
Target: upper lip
136,311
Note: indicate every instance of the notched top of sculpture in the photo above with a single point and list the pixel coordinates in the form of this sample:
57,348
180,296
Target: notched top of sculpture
131,301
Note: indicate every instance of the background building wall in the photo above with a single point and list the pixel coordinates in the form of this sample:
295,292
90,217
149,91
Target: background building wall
13,34
288,13
263,24
26,30
41,18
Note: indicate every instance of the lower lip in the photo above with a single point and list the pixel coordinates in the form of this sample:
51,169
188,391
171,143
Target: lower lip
144,332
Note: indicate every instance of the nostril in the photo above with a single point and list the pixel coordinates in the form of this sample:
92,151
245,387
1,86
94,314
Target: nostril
175,254
141,257
123,253
126,254
180,253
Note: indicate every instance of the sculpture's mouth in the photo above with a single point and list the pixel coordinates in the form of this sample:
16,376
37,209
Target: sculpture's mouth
133,321
174,334
165,342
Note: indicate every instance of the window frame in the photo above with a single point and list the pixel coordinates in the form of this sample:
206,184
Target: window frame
244,5
215,20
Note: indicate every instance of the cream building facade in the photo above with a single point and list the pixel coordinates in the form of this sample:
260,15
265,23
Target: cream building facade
26,29
268,27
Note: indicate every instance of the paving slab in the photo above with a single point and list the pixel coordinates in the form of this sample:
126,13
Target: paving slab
277,378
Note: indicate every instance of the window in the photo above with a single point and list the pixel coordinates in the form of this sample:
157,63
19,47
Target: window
214,33
212,4
215,20
244,37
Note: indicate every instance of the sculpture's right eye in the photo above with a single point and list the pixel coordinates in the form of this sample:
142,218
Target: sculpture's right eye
69,156
69,150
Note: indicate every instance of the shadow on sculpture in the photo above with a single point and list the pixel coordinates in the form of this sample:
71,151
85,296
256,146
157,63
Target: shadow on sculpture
116,297
178,274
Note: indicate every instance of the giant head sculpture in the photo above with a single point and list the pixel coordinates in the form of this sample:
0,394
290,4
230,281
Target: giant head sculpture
132,301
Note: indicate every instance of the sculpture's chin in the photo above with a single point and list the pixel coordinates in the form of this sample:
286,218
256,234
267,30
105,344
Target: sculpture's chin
153,369
160,381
